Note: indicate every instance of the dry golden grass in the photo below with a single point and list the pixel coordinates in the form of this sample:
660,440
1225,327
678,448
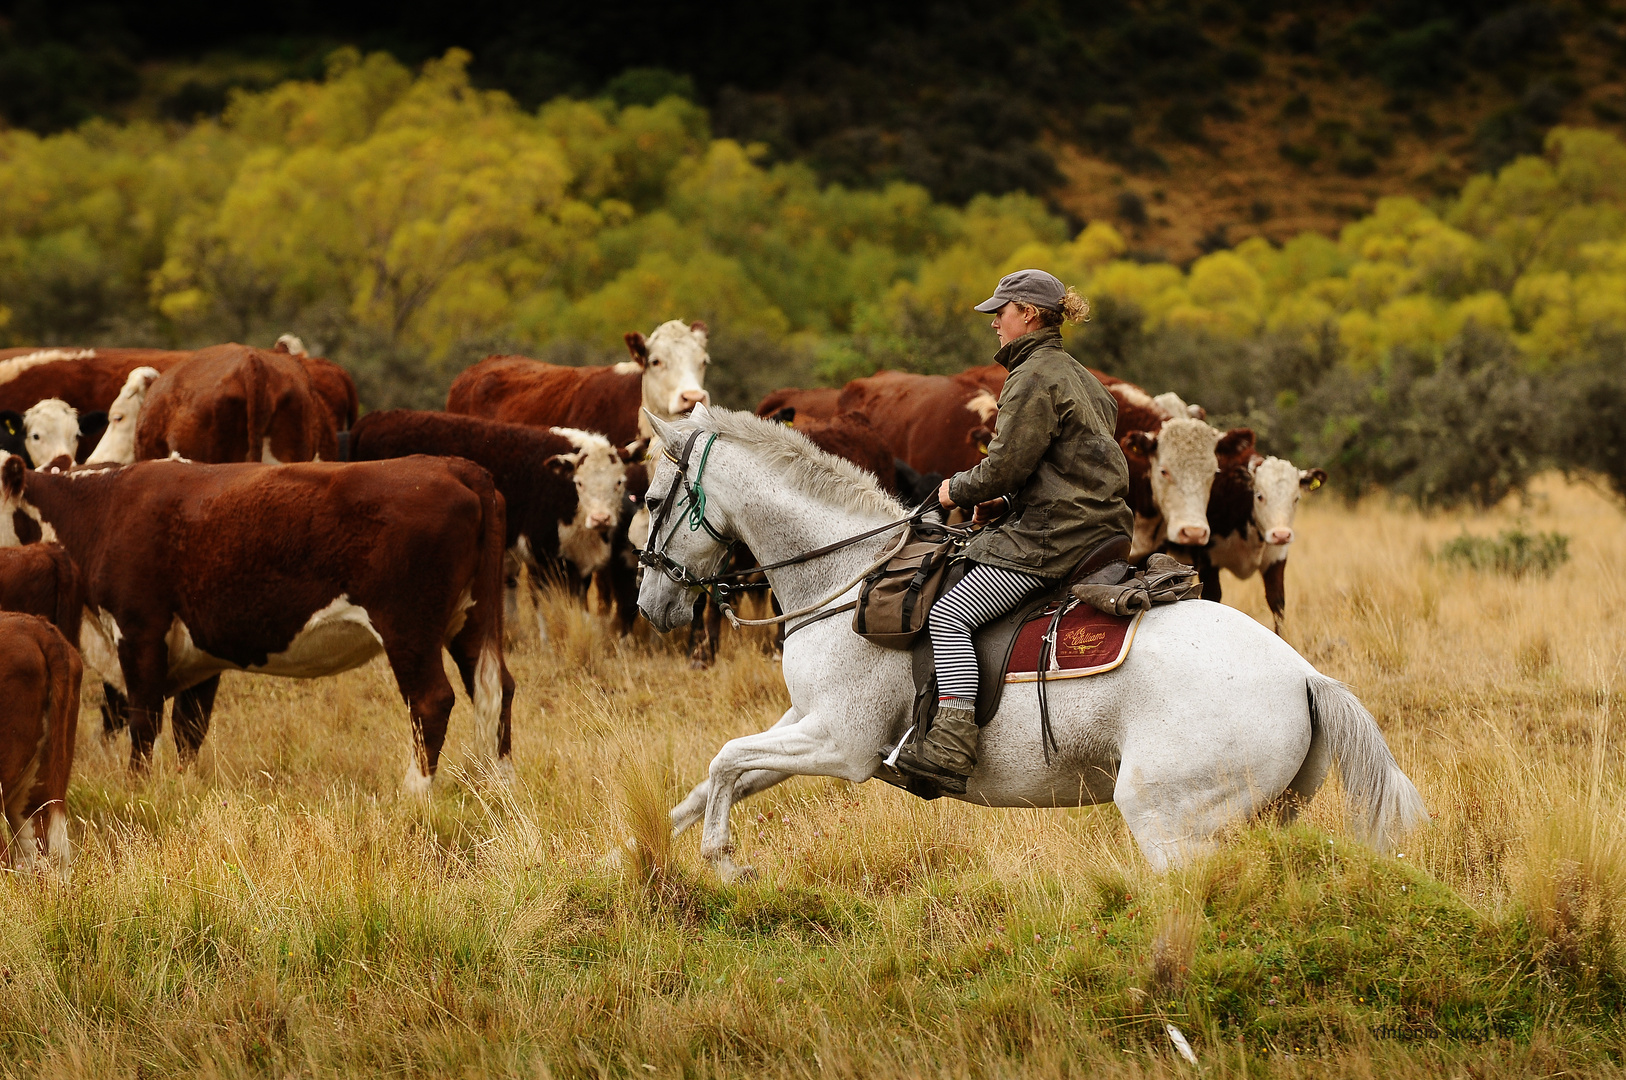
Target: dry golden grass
283,910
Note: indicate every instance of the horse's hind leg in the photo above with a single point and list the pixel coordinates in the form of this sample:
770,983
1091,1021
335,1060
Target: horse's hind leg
1170,827
693,806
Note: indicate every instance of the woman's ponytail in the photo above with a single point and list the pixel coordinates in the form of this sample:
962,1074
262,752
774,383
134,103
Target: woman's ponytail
1074,308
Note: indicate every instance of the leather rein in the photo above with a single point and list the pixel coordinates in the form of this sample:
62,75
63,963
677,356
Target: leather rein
721,585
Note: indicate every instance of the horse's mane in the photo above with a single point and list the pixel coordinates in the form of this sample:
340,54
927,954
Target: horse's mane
808,469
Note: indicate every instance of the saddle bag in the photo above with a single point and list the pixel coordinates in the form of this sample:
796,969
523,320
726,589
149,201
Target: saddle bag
893,601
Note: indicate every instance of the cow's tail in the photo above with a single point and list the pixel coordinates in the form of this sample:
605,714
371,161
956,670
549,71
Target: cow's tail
65,673
256,398
493,689
70,594
1384,803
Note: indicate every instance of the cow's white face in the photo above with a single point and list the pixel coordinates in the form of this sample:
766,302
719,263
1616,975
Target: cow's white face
674,361
1277,487
118,441
51,428
1183,464
599,472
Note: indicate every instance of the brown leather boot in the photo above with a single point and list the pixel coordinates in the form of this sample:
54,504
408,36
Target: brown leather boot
947,753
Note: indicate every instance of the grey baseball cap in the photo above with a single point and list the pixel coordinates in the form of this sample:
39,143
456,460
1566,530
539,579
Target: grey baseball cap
1030,287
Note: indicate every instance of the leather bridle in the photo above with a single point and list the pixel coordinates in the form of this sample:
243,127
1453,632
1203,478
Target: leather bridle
721,585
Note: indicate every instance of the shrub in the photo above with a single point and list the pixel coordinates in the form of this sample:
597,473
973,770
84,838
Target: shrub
1514,552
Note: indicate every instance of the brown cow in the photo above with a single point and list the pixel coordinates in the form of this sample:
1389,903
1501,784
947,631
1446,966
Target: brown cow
933,423
87,379
563,488
850,436
39,721
330,381
665,375
295,570
40,579
232,403
817,403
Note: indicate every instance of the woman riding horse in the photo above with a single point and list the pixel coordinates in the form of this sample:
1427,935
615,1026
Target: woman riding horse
1053,484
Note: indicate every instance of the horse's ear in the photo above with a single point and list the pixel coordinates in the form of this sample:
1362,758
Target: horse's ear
664,432
637,347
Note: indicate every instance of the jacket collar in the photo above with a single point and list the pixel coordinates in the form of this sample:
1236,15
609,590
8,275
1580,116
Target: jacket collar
1011,355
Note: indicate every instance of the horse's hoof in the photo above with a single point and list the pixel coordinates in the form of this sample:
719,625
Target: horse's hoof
738,875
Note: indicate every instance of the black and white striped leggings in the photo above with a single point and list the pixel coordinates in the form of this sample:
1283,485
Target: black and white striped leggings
985,593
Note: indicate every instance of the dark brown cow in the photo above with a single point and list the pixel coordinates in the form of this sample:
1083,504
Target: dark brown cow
850,436
296,570
817,403
665,376
231,403
563,488
39,720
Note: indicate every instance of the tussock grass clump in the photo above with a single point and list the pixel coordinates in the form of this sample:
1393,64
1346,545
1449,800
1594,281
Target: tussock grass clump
280,909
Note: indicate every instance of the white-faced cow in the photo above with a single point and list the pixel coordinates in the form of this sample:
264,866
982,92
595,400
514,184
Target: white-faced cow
666,375
118,445
1171,473
39,719
296,570
1251,511
563,487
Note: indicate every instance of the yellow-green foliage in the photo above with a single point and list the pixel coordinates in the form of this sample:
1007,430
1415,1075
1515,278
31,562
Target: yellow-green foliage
283,910
425,212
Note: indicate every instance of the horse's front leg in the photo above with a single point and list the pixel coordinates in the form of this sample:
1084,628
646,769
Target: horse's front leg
812,746
693,806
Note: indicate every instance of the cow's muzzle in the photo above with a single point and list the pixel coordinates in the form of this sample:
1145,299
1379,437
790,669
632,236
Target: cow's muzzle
1280,536
1191,535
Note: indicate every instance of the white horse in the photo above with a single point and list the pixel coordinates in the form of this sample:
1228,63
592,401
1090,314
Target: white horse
1210,720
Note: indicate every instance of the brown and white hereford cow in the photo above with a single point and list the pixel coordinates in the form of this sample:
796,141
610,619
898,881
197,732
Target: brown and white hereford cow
39,721
118,442
296,570
1178,463
666,375
1251,510
230,403
40,579
330,381
563,487
87,379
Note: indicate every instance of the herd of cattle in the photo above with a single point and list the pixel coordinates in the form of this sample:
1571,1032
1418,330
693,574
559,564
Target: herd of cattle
176,515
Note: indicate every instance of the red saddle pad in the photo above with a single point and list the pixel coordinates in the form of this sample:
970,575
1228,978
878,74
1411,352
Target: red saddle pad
1088,642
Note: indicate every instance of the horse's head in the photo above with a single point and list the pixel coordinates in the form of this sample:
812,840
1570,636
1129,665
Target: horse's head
689,534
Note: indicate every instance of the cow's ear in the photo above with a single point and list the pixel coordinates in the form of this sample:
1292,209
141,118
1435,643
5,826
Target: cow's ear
561,464
1310,479
1236,443
637,347
633,451
1254,463
92,423
11,477
11,422
1196,412
701,331
787,415
1141,444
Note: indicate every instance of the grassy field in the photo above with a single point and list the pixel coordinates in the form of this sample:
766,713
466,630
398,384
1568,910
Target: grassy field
283,910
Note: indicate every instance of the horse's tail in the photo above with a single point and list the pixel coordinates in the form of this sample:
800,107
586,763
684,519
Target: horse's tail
1384,803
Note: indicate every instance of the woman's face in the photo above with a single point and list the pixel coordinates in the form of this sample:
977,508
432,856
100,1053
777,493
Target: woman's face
1010,322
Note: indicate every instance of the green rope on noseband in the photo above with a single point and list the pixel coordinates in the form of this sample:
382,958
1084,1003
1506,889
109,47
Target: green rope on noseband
697,496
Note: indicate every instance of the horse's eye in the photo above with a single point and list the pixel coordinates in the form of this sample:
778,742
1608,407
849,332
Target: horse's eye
652,501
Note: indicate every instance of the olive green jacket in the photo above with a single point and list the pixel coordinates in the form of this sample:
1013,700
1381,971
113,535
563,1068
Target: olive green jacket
1054,454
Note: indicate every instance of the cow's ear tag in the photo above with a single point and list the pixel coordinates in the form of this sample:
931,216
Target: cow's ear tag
1314,483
